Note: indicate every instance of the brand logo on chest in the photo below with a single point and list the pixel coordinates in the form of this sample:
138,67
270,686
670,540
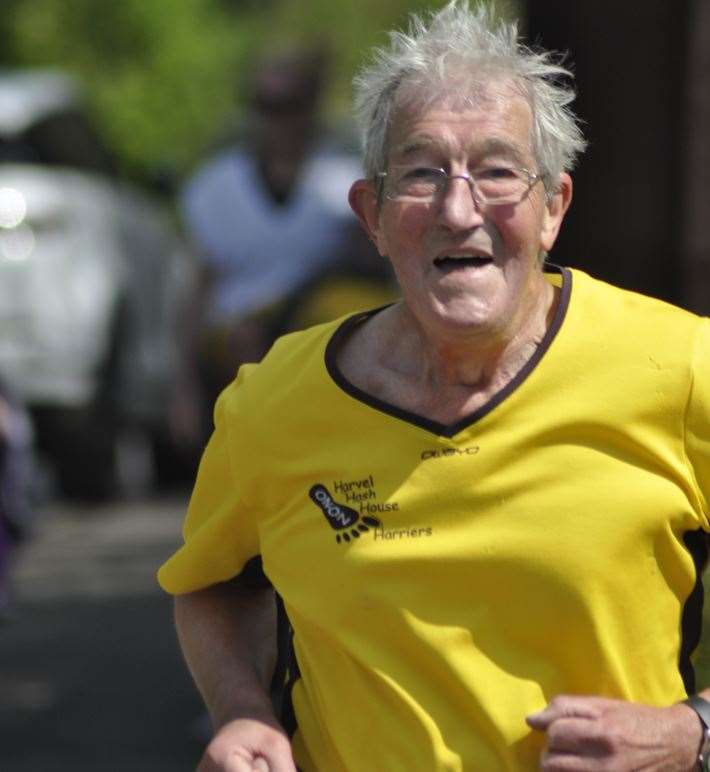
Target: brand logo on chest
352,511
469,450
347,522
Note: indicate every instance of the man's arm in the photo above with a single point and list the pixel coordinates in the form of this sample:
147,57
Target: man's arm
227,633
593,733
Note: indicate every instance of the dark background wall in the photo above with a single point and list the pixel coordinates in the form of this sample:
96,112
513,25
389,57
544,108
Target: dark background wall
640,217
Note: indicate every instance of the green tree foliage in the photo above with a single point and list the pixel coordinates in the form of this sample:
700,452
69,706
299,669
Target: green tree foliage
159,74
164,76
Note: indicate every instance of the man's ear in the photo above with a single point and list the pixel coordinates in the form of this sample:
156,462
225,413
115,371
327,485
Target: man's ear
363,201
557,206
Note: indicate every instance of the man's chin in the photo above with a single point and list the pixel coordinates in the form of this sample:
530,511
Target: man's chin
466,315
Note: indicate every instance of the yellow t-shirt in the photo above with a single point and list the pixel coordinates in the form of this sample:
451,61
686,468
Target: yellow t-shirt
443,582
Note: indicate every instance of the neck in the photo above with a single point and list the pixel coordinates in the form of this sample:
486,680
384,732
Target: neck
474,360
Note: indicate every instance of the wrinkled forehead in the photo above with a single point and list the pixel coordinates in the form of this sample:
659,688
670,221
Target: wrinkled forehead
487,112
459,89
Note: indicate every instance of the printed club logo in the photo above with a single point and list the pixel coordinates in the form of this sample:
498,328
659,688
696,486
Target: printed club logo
347,523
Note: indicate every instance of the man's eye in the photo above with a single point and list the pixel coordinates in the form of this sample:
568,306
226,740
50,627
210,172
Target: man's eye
421,173
496,173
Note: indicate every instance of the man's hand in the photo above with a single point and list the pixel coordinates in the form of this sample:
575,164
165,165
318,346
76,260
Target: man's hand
228,635
593,733
245,745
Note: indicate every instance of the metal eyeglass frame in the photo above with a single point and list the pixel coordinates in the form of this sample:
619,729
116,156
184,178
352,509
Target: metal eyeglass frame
445,178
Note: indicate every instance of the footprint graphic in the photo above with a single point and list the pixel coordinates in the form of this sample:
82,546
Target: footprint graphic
346,521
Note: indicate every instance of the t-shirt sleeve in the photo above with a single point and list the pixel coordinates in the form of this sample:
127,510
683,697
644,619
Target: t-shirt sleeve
697,431
220,534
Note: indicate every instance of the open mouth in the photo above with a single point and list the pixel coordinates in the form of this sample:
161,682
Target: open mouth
454,262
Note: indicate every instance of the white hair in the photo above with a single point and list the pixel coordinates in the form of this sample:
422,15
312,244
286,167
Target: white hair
454,53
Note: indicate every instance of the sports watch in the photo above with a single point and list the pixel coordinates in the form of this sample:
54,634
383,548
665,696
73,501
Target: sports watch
702,708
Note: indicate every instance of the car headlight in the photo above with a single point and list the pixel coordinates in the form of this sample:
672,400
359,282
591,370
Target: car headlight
13,207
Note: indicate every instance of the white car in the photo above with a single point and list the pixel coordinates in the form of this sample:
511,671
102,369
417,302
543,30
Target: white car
92,277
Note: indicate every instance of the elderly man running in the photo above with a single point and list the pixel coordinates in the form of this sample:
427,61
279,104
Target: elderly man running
483,509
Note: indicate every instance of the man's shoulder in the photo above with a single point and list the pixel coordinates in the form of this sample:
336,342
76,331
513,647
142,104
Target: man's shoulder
628,306
294,368
609,324
302,346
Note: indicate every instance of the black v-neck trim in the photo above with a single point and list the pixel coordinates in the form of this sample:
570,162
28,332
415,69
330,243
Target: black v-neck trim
447,430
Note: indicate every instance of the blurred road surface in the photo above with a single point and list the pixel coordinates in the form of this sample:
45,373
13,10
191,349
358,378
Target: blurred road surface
91,679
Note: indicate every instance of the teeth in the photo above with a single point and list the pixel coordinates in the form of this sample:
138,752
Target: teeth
476,259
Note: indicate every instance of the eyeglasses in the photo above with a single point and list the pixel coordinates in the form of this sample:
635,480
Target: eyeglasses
492,186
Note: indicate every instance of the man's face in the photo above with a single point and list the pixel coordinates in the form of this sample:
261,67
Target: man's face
462,267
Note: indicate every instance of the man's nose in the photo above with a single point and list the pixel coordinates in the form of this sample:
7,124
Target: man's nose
458,209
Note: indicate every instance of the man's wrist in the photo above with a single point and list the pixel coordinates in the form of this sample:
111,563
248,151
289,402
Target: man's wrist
256,710
701,707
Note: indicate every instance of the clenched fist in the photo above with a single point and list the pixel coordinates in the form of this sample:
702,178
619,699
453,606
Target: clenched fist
594,733
246,745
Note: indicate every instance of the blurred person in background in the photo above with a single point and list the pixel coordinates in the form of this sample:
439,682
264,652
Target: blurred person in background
277,246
